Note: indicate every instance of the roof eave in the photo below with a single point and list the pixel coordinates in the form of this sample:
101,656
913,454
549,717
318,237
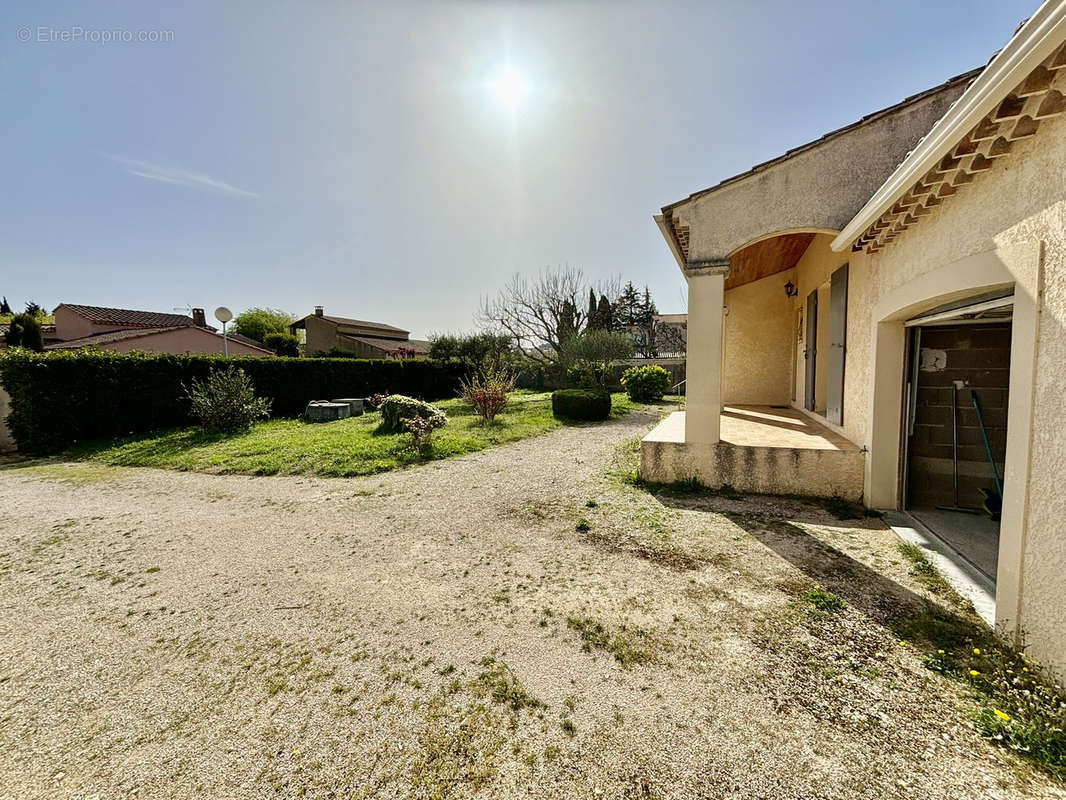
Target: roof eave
1034,41
671,242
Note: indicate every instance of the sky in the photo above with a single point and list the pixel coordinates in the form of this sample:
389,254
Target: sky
399,161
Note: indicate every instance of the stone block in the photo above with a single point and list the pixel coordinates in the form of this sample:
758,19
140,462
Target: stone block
354,403
324,411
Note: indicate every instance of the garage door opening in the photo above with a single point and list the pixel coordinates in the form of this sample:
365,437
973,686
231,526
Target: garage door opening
956,432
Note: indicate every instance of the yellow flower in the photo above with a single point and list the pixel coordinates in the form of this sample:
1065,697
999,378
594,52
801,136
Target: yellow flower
902,643
816,586
977,651
974,673
941,652
1001,714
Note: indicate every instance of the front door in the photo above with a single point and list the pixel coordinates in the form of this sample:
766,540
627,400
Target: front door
810,351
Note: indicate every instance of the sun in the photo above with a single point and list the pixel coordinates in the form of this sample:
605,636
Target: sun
509,87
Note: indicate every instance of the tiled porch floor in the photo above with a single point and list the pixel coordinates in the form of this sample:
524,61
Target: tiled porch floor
763,426
766,426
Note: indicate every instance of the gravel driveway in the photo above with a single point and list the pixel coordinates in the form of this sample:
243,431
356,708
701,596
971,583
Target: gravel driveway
521,622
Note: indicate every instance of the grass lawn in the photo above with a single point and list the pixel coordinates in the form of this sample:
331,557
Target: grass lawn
347,447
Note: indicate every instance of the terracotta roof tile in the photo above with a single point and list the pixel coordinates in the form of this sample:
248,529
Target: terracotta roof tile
129,317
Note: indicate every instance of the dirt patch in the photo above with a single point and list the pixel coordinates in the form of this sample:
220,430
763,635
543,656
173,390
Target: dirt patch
446,631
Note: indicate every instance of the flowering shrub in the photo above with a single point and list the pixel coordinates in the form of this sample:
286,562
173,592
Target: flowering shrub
375,400
646,384
225,401
487,389
421,429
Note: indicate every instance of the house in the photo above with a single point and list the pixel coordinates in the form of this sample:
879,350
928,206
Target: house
671,334
122,330
364,339
867,310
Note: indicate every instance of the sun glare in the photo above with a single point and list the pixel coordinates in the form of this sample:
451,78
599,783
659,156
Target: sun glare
509,88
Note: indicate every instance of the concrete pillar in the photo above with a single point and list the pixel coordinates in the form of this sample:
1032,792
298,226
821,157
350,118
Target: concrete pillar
703,388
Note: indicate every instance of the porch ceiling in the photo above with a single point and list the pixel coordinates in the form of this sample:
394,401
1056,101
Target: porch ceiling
765,258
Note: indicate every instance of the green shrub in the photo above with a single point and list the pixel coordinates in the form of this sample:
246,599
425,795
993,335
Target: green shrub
581,404
258,323
646,384
225,401
284,344
24,330
64,397
397,409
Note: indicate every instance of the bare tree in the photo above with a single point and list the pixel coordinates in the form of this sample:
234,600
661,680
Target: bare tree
541,313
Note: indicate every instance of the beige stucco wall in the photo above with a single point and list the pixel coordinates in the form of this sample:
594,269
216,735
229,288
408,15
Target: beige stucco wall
756,359
70,325
1018,207
817,189
321,335
767,470
181,342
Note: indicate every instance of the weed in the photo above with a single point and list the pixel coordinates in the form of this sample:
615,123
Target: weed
590,503
583,525
623,646
502,685
823,600
568,726
926,574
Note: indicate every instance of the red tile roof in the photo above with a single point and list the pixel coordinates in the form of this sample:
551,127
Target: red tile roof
129,318
137,333
416,345
346,322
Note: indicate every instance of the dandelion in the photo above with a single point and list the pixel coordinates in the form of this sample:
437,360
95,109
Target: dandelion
977,651
1001,714
940,652
974,673
902,643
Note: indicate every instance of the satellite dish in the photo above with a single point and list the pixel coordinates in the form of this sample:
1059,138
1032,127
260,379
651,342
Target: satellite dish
223,314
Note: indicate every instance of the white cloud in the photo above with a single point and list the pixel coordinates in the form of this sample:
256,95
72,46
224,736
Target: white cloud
179,177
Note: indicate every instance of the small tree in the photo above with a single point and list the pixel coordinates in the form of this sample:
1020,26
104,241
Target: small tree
475,351
284,344
24,330
226,401
5,308
34,310
588,357
258,323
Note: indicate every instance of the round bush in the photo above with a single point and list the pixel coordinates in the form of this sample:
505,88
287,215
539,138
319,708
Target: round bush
646,384
397,409
581,404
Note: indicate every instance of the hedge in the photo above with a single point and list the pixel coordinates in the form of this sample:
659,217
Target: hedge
580,404
61,398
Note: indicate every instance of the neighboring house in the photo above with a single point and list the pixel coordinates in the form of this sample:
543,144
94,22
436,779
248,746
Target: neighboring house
364,339
671,334
849,300
122,330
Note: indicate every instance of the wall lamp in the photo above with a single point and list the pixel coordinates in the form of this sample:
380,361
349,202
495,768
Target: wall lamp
791,290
